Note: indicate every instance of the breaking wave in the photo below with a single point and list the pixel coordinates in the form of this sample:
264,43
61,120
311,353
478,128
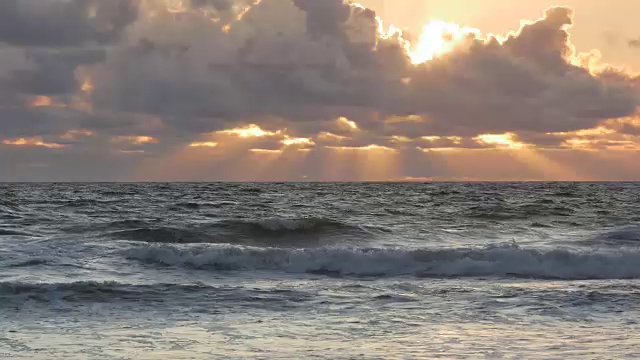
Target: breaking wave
492,261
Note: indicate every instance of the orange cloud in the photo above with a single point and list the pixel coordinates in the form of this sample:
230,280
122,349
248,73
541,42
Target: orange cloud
289,141
45,101
267,151
501,141
135,140
205,144
74,134
37,141
249,132
327,136
362,148
347,124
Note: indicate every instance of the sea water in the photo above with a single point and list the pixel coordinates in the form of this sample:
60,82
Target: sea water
327,271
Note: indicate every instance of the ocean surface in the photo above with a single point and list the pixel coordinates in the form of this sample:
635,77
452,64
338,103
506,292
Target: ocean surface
320,271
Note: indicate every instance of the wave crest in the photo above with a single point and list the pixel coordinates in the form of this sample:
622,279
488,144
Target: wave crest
265,232
493,261
284,225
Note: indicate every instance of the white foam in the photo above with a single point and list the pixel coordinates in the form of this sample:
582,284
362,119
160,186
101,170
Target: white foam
504,260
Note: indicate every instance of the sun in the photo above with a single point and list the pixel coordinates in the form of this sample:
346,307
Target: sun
438,38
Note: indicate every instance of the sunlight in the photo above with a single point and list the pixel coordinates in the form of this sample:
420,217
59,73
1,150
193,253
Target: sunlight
349,124
37,141
365,163
438,38
400,139
547,168
289,141
267,151
135,140
87,86
204,144
362,148
440,149
454,139
501,141
330,137
175,6
45,101
240,16
249,131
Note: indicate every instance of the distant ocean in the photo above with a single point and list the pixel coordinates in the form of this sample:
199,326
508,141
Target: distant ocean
326,271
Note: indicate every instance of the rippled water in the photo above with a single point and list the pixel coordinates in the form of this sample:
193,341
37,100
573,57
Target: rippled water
172,271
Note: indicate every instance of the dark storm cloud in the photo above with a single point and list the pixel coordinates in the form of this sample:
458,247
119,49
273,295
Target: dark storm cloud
20,122
54,71
54,23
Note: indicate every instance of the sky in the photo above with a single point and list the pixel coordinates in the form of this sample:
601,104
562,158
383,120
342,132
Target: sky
319,90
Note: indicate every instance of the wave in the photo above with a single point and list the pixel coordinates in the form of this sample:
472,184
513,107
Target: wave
88,288
5,232
503,212
273,226
629,236
163,235
492,261
270,232
16,294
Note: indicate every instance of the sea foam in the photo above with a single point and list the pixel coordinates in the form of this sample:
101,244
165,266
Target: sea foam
492,261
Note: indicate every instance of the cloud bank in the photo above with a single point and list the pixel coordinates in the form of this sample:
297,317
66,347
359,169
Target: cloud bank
134,85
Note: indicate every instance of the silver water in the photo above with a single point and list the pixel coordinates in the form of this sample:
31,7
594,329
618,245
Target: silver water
199,271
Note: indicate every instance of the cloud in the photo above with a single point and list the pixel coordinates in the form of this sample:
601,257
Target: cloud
53,71
330,55
153,78
57,23
634,43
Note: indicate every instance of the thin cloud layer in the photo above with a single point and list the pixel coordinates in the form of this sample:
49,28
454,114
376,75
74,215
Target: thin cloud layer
316,76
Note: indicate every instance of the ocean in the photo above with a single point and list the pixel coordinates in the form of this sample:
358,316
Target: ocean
320,271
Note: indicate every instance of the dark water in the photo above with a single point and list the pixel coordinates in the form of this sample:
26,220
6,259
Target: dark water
319,270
